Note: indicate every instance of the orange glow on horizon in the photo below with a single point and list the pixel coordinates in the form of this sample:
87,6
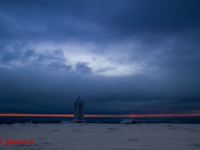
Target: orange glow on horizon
102,115
163,115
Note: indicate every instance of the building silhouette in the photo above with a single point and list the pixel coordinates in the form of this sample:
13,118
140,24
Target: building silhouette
78,111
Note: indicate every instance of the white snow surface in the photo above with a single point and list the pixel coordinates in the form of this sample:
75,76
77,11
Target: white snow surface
67,136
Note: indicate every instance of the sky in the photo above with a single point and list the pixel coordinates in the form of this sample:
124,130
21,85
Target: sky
120,56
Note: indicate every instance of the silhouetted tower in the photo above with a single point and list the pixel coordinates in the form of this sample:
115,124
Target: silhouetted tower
79,111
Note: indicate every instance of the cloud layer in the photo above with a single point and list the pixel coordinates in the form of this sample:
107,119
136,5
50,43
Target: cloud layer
120,56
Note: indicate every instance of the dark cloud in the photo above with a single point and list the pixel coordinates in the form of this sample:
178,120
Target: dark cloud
83,68
95,20
51,61
161,36
29,53
59,65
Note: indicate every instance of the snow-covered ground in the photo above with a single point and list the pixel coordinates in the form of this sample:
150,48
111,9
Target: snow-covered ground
87,136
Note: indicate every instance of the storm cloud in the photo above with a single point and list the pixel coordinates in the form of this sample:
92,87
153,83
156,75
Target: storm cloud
122,57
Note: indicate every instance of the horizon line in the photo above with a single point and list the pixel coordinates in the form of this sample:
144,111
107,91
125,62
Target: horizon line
99,115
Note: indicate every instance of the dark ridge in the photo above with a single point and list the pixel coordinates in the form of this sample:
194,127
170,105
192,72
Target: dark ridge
45,120
33,122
